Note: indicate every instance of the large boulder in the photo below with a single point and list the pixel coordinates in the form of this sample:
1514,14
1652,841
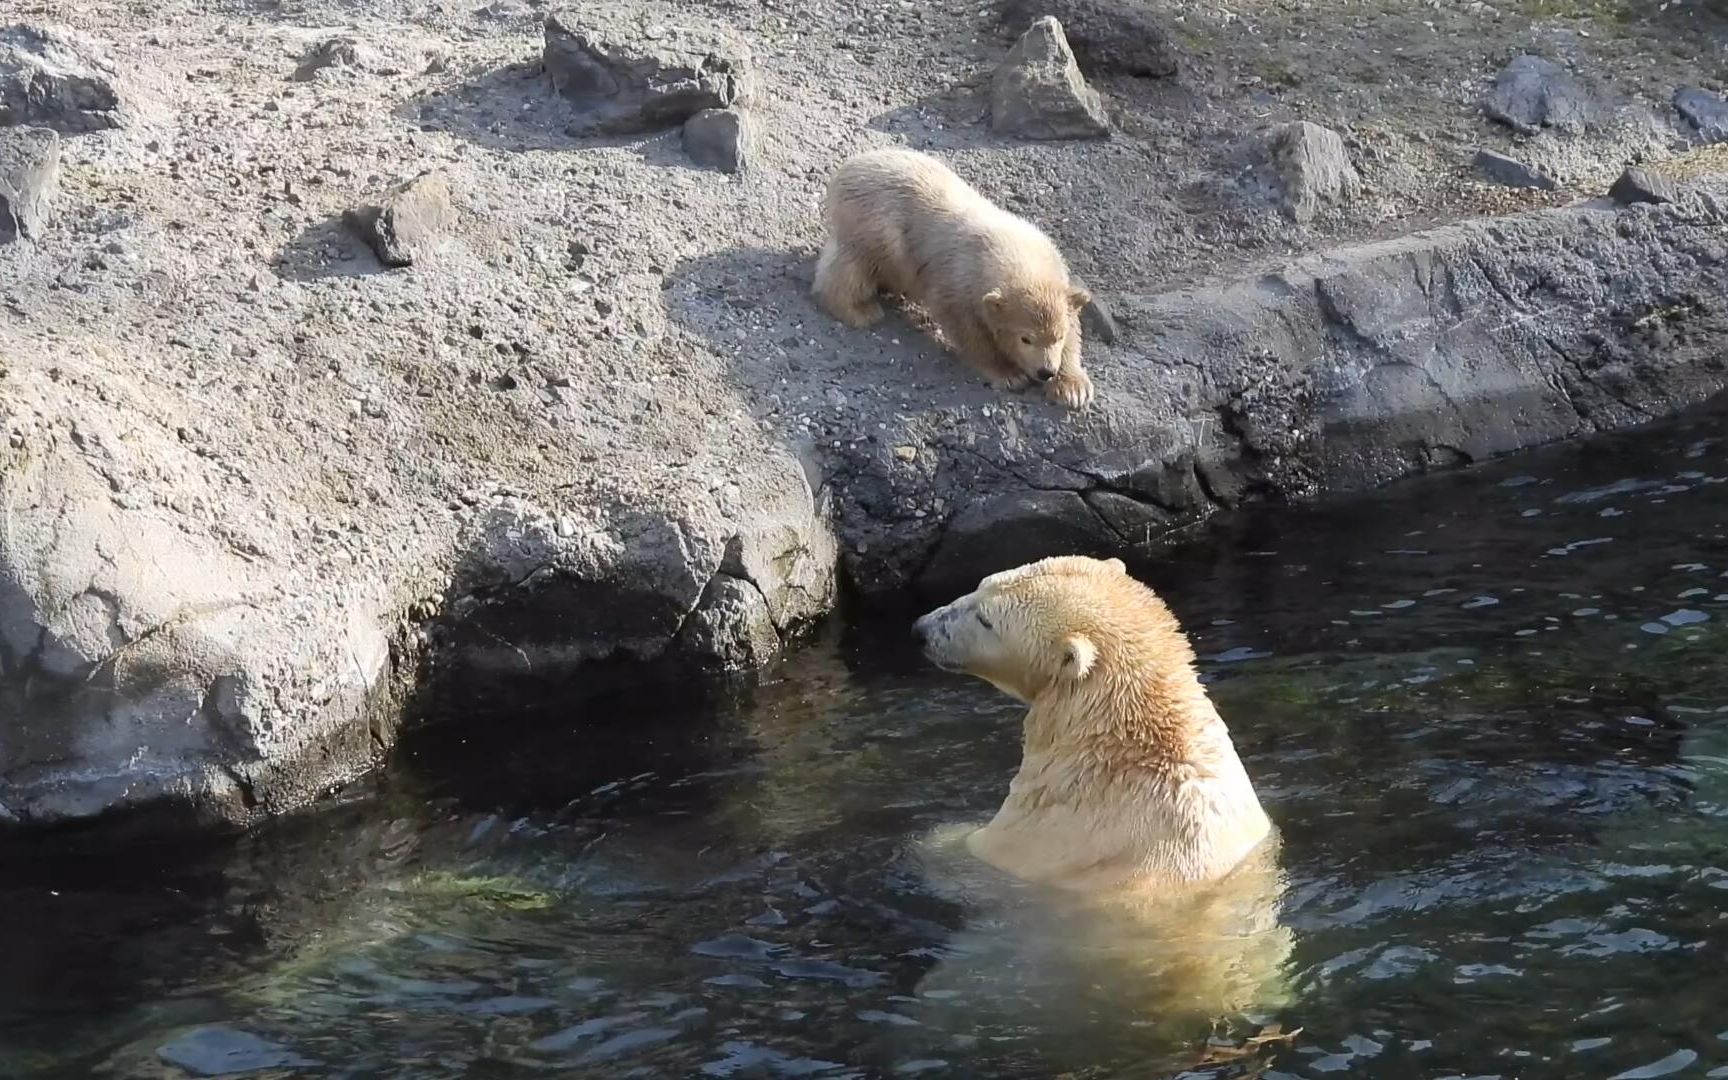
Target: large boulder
645,79
58,78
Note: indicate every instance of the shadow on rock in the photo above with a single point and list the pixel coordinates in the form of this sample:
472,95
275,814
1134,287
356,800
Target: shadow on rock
957,117
515,110
803,370
511,108
328,249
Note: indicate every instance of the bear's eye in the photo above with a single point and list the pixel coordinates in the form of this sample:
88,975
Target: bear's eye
985,623
1025,339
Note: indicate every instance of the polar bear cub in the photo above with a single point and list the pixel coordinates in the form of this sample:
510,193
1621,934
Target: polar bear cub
994,283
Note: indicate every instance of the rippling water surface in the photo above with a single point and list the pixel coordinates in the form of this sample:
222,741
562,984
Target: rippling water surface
1488,710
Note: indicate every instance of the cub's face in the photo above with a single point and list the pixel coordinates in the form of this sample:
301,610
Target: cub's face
1032,328
1024,629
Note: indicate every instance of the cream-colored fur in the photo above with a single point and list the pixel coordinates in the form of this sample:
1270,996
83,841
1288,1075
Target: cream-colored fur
1128,779
994,283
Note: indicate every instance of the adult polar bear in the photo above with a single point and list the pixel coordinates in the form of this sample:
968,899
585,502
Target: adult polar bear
1130,800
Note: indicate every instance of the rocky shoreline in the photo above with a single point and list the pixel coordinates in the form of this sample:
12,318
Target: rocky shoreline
332,356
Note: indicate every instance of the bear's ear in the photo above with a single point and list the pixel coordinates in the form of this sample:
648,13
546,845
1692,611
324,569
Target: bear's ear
1078,656
993,300
1079,297
1117,565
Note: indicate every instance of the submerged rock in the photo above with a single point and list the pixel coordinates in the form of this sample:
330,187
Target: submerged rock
1039,93
653,78
224,1051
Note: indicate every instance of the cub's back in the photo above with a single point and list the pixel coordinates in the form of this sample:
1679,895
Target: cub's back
900,182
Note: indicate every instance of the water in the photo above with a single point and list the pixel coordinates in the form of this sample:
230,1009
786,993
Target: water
1488,710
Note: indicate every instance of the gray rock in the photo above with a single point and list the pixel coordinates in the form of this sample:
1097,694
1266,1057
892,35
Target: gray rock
408,221
646,79
1511,172
1532,93
1039,93
619,582
223,1051
731,629
1641,186
29,181
1108,36
723,139
57,78
1706,112
1096,318
334,54
1013,528
1306,166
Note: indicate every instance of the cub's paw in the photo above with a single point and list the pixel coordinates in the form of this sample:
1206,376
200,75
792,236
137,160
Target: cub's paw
859,316
1071,389
1014,382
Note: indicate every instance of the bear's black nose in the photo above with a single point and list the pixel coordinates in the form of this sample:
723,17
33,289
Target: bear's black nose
921,630
1046,374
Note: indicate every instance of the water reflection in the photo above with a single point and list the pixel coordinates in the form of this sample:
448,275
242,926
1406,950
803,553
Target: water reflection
1488,712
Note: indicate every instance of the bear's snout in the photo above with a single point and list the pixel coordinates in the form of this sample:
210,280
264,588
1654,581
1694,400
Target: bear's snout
929,632
1045,374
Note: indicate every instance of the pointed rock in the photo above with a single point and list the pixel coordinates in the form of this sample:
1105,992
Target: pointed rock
1641,186
1309,167
1039,93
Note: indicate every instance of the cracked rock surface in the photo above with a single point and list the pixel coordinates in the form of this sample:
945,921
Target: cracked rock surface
254,486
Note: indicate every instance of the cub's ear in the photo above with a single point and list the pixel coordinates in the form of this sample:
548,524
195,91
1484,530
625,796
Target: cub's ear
994,300
1078,656
1117,565
1079,297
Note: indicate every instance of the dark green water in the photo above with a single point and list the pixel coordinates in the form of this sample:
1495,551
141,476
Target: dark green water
1489,711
